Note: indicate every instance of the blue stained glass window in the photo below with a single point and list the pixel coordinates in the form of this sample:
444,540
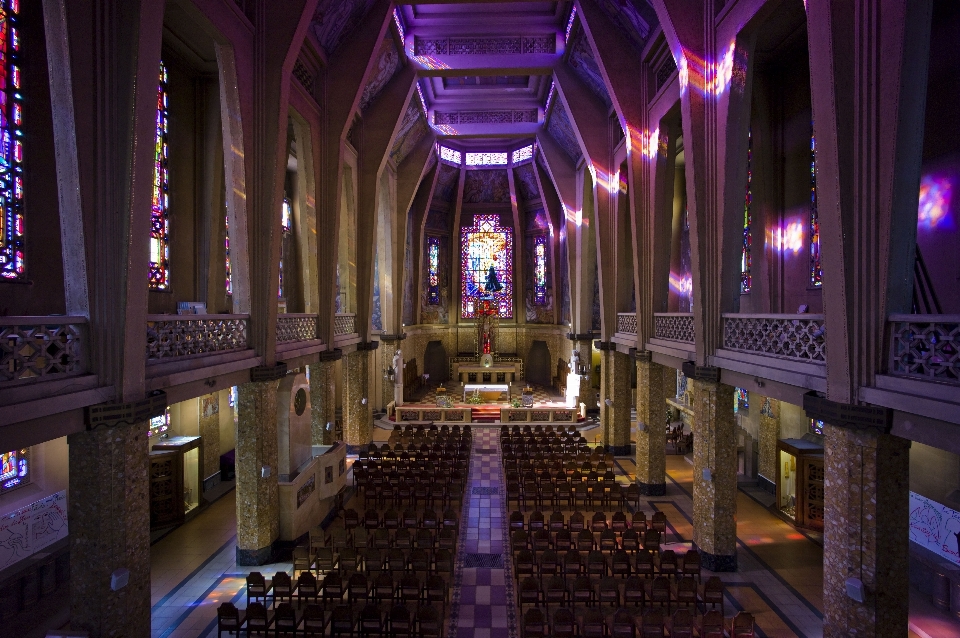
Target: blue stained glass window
12,230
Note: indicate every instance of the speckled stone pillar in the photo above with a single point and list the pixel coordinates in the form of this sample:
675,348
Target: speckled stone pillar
258,505
715,475
651,433
210,433
109,514
357,417
323,401
767,441
615,385
866,485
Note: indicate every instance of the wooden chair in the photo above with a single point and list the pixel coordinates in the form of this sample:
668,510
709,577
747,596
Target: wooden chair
629,540
618,522
620,564
639,522
324,561
585,540
285,620
713,594
682,626
608,540
516,521
583,593
443,562
593,624
668,563
541,540
333,588
576,524
634,591
555,591
562,540
307,588
399,621
687,592
282,588
651,541
549,563
314,621
429,623
572,563
435,590
692,564
624,624
596,563
259,620
301,559
743,625
371,620
257,587
653,624
564,623
230,619
357,589
530,592
599,523
342,621
711,626
609,591
659,522
660,592
534,623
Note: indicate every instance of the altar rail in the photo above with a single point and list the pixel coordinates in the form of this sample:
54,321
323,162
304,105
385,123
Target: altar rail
32,348
296,327
797,337
437,415
538,415
925,347
627,323
673,326
172,336
344,323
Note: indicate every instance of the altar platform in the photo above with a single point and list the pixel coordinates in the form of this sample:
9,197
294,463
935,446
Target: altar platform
548,407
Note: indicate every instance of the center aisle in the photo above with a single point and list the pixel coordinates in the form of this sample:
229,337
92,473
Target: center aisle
483,603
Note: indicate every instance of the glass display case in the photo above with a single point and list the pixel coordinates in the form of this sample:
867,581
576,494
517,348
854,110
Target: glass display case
800,482
175,481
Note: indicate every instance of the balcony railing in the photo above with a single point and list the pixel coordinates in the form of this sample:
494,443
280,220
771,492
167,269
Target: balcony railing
296,327
32,348
627,323
171,336
797,337
673,326
344,323
925,347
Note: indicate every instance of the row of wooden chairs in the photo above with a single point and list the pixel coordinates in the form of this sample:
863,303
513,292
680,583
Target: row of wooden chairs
343,620
599,522
631,591
625,623
540,427
595,562
373,560
403,588
392,519
444,491
607,493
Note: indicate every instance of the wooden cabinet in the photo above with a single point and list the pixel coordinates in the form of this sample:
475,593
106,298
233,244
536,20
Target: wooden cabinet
175,481
800,482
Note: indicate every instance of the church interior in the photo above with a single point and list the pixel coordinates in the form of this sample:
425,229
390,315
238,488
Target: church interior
478,319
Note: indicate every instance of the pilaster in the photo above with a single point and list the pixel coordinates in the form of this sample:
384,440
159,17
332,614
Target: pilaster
109,513
715,475
767,440
323,398
867,512
258,505
651,434
357,417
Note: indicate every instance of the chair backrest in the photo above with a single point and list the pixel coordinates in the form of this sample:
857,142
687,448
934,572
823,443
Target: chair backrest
228,616
743,625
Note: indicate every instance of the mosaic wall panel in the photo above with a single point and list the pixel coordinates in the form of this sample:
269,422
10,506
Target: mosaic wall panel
636,19
526,183
585,65
561,130
486,187
333,20
388,61
412,129
446,186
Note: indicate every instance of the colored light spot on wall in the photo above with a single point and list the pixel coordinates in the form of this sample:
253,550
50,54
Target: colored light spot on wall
935,195
787,239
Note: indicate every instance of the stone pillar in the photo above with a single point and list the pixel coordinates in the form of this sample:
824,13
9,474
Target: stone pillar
714,475
323,398
258,505
357,417
210,433
651,433
109,514
866,485
767,441
615,400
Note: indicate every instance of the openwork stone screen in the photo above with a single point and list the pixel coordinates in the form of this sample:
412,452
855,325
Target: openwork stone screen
674,327
296,328
31,350
344,324
169,338
484,245
627,323
450,155
787,336
926,347
486,159
497,45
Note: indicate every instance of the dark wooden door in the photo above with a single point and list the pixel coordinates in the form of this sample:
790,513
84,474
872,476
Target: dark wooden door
166,488
813,492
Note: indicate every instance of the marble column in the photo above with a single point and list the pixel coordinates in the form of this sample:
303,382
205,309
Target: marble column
357,415
767,441
323,401
210,433
714,475
615,400
866,485
651,433
258,504
109,514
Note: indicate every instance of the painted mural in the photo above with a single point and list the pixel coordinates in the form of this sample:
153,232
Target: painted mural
27,530
486,187
935,527
376,319
446,183
412,129
583,63
561,131
333,20
636,19
388,61
526,182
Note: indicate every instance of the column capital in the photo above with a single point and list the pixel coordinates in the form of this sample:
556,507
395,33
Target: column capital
709,374
367,345
582,336
642,356
872,418
268,373
604,345
330,355
114,414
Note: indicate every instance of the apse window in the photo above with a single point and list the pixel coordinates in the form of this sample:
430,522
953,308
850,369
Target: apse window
486,159
160,209
14,469
12,231
486,266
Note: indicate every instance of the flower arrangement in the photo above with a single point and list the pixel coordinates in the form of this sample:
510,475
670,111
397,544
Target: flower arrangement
475,398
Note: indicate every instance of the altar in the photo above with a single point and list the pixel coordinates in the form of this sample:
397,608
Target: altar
478,373
489,391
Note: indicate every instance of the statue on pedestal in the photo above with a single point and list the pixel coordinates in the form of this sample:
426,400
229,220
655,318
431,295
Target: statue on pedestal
573,380
398,366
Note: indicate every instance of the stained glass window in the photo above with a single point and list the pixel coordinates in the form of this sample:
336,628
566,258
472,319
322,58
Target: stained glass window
816,270
11,145
160,211
540,270
226,247
14,469
159,425
486,159
433,256
816,427
746,260
741,399
573,16
523,154
486,266
286,226
397,20
450,155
